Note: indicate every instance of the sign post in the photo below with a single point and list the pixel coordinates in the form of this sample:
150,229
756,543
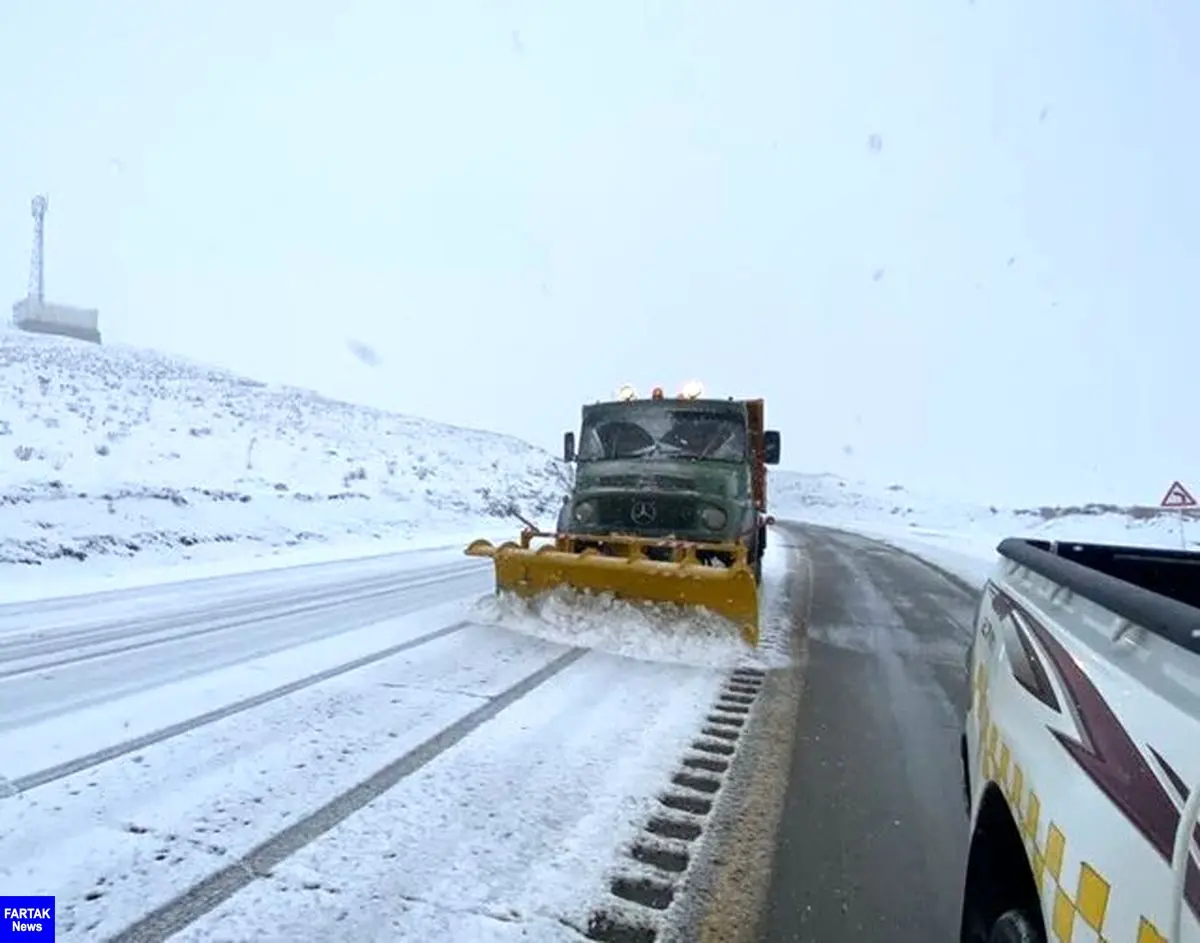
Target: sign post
1179,497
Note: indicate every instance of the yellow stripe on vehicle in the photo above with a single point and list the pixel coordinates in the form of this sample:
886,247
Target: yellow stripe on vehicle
1076,900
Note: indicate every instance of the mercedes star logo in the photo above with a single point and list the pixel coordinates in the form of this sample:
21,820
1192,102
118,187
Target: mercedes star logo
642,513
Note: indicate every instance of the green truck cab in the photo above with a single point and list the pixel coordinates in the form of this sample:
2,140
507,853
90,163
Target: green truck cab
690,470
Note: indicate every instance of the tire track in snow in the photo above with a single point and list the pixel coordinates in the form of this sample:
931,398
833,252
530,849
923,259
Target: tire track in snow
214,890
224,620
59,771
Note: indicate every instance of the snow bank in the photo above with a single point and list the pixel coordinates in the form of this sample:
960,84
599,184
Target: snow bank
111,453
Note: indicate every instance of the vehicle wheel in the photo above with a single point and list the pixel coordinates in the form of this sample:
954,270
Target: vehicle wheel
1015,926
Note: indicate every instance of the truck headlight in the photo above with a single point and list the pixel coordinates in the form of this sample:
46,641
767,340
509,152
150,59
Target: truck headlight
713,518
584,512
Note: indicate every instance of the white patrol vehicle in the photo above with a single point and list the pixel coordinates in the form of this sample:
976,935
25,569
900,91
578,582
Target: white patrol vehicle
1081,748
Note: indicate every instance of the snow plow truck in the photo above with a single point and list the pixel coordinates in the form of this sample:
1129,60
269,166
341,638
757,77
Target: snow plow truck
668,505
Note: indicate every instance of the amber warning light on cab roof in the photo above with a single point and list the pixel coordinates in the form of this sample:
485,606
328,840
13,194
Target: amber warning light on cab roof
693,389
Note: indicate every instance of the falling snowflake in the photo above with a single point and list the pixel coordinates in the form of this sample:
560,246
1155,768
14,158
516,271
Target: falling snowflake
364,352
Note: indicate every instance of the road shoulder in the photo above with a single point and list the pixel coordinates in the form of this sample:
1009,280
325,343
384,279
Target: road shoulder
726,893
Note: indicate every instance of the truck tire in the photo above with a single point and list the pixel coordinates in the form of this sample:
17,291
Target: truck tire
1015,926
760,548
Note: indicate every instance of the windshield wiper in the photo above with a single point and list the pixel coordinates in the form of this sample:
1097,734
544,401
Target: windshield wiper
654,451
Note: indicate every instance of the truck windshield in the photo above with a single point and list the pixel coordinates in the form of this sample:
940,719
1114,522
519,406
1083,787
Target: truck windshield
662,434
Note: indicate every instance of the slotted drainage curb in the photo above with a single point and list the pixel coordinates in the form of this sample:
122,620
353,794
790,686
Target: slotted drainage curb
645,885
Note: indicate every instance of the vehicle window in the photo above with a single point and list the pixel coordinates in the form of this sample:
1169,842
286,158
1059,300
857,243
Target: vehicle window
679,434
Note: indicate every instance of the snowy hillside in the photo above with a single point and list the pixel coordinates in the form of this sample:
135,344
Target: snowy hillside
962,535
833,500
112,454
115,451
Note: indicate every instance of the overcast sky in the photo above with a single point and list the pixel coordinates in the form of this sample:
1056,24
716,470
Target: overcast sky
520,206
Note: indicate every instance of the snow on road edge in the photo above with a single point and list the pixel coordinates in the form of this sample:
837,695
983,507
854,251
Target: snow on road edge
965,557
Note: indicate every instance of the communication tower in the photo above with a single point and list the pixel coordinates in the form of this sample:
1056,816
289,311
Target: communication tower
37,265
32,313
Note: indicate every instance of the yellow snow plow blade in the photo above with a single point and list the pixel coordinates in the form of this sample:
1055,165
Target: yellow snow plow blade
625,571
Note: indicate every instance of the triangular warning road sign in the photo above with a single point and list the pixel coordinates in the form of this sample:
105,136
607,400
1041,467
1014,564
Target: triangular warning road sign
1178,496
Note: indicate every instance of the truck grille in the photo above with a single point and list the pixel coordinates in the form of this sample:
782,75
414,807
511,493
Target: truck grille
658,482
629,512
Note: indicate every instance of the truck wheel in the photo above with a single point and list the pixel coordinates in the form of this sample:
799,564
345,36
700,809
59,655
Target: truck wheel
759,552
1015,926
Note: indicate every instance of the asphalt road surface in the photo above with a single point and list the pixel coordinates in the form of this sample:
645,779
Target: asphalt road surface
872,840
851,823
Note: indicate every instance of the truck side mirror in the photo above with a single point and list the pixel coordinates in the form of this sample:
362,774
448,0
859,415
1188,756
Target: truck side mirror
568,446
771,447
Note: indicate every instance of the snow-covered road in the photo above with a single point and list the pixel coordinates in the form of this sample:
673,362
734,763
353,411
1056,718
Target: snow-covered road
93,653
331,751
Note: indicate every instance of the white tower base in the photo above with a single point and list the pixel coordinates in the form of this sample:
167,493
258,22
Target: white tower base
41,318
